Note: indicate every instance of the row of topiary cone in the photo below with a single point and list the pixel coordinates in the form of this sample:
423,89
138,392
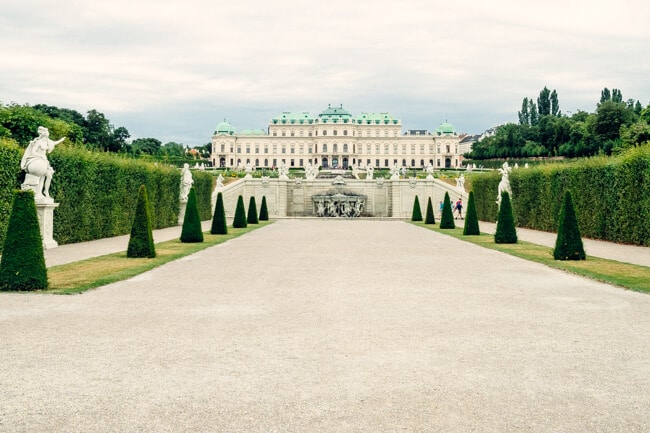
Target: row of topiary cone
568,245
23,267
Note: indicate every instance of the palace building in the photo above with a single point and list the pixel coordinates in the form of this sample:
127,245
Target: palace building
335,139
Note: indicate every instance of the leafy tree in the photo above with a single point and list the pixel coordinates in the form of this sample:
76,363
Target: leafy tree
605,95
173,149
141,239
240,214
471,218
417,213
22,121
252,211
22,266
264,212
544,102
617,96
555,104
524,115
97,133
149,146
610,116
192,230
430,218
117,141
219,226
506,233
532,109
568,245
447,217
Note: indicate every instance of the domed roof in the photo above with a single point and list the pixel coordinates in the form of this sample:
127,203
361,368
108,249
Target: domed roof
446,129
224,128
335,114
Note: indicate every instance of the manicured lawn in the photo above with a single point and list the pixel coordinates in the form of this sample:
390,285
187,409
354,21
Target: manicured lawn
88,274
629,276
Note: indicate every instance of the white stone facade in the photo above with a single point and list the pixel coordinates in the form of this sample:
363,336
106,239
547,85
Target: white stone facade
335,139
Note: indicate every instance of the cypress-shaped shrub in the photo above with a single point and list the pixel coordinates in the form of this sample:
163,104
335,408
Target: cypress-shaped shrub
252,211
447,218
568,245
430,218
240,214
23,264
192,230
506,233
264,211
417,213
219,226
141,240
471,218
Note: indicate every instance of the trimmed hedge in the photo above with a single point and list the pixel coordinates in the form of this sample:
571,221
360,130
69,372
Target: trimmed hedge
264,212
471,220
239,221
447,218
22,266
568,244
252,211
141,239
191,230
97,192
417,212
506,232
430,218
219,225
611,196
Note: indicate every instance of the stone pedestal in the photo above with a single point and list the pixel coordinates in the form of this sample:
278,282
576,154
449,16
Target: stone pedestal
45,212
181,213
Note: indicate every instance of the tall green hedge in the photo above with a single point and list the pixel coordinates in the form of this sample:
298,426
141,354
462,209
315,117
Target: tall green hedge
141,240
97,192
611,196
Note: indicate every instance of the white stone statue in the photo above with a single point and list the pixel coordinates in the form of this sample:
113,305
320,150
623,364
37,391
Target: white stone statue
429,171
370,172
249,170
36,165
310,171
504,185
460,182
283,171
355,171
186,182
394,172
220,181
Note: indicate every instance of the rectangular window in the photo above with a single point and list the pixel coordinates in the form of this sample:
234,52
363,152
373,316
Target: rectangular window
309,134
300,162
386,149
238,149
284,149
324,132
275,134
376,163
293,134
257,148
412,149
293,149
266,149
284,134
309,149
421,149
223,148
336,132
231,150
248,149
345,132
385,162
292,164
275,162
275,148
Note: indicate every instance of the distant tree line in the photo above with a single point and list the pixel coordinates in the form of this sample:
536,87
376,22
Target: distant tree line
543,130
93,132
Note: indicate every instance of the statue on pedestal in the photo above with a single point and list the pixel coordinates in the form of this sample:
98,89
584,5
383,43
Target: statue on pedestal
186,182
504,185
37,167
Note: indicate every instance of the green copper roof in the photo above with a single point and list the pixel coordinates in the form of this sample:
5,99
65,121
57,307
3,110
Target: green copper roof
335,115
252,132
375,119
446,129
289,118
224,128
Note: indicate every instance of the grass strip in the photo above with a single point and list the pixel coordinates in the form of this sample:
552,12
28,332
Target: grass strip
77,277
627,275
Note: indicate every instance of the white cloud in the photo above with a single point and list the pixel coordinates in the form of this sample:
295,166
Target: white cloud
157,65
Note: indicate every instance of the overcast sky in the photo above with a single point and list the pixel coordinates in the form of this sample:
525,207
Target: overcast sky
173,69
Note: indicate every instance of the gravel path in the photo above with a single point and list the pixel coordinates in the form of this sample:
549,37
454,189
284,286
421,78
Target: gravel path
330,326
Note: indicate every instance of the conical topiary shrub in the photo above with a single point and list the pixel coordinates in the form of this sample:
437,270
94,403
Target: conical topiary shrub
141,240
240,214
23,264
192,230
219,226
568,245
264,211
506,233
252,211
471,218
447,218
429,218
417,213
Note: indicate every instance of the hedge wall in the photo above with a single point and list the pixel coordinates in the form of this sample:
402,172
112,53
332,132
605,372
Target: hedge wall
98,192
611,196
10,154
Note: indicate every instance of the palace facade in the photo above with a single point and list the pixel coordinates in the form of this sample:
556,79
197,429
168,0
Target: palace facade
335,139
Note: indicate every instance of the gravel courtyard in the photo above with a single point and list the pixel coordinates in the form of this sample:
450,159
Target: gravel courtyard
330,326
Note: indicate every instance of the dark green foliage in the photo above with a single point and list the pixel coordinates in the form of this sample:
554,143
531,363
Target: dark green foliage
417,213
10,155
141,240
192,230
447,218
23,264
568,245
219,226
264,212
471,219
240,214
616,190
506,233
430,218
252,211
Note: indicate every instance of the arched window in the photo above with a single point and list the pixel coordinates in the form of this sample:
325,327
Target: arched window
335,148
403,163
345,147
412,163
266,163
324,147
257,163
